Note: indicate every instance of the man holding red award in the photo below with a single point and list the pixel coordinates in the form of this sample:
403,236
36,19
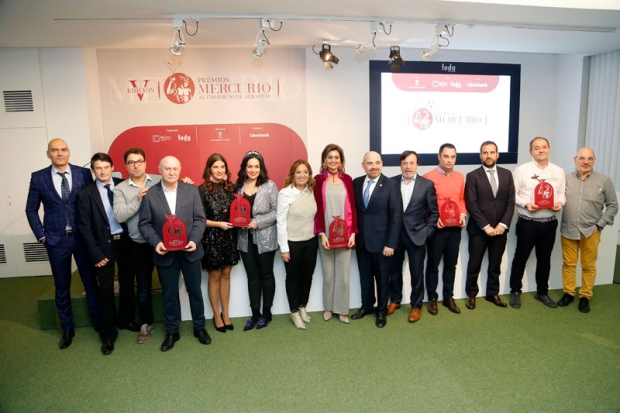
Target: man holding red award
172,221
540,195
445,242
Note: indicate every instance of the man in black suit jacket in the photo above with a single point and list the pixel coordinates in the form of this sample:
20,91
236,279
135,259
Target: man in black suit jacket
379,218
420,215
171,197
490,200
106,242
56,187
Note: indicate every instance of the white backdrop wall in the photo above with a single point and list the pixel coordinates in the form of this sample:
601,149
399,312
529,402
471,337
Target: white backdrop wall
338,111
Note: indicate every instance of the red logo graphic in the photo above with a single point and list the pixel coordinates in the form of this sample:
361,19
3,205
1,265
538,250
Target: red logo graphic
179,88
422,119
140,90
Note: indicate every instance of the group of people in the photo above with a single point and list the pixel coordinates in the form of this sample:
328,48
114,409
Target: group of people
109,223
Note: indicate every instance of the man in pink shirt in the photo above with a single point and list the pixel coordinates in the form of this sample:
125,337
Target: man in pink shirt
445,242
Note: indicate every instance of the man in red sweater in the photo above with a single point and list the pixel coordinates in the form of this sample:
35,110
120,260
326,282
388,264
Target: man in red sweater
445,242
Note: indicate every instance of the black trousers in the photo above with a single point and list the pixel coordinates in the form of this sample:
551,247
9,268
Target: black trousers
299,271
169,278
478,245
261,281
374,267
444,243
541,237
142,266
126,285
416,255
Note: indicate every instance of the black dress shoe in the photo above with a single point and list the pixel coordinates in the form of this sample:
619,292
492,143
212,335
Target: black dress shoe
221,329
566,300
361,313
584,305
203,336
381,321
66,340
227,326
546,300
107,347
131,326
169,341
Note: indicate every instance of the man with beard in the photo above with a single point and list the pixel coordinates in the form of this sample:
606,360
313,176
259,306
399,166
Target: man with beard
490,201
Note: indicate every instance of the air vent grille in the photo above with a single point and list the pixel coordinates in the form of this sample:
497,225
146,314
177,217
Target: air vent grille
2,254
35,252
18,101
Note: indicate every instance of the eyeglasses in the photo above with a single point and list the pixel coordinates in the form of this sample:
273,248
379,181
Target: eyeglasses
136,163
583,159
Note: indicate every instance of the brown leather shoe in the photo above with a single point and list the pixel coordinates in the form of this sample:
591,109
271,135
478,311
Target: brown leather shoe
452,306
392,307
415,315
432,306
471,303
495,300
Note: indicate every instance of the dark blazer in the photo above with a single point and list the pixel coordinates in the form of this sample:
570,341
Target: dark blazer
421,214
55,212
378,224
188,209
483,208
93,223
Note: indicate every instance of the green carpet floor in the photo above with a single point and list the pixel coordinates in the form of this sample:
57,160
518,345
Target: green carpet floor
489,359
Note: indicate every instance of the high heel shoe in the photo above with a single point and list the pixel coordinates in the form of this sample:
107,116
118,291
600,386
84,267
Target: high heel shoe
221,329
227,326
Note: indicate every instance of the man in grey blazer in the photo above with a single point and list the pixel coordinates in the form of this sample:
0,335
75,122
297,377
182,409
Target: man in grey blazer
419,221
171,197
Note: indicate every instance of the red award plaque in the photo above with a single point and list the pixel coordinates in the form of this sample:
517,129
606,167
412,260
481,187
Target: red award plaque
338,233
449,213
240,211
175,234
544,195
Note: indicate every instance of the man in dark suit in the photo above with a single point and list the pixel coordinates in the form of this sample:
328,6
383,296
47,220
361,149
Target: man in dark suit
490,200
56,187
171,197
106,241
420,215
379,218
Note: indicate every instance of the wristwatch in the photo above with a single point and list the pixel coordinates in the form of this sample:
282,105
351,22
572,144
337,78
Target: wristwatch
599,228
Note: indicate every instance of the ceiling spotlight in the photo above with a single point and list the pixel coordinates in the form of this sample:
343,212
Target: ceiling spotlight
441,31
177,46
396,62
260,44
426,54
327,56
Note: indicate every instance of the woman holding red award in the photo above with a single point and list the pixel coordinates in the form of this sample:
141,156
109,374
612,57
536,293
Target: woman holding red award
298,244
258,240
220,239
336,224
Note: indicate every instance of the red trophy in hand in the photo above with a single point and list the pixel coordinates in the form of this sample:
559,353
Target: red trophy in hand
338,234
544,195
240,211
449,213
175,233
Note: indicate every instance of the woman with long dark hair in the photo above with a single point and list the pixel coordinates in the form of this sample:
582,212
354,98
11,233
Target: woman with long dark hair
335,198
220,239
298,243
258,241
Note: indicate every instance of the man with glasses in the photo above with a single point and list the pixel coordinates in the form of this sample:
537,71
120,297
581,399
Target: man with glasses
591,204
128,196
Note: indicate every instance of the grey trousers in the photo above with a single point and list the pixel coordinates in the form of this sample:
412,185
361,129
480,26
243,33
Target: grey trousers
336,263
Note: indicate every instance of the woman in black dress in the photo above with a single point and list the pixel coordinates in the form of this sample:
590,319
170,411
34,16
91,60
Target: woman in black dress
219,240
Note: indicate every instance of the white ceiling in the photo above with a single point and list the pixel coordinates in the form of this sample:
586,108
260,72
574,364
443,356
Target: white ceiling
479,26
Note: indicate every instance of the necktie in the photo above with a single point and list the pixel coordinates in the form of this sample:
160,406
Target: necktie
64,187
110,194
367,193
493,182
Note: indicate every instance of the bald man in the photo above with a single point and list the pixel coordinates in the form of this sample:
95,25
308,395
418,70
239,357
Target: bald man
56,187
171,197
379,217
591,204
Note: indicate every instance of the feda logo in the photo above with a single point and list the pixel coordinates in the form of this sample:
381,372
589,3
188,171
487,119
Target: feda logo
179,88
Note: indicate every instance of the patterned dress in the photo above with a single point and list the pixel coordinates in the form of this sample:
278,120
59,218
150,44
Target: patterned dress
220,246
